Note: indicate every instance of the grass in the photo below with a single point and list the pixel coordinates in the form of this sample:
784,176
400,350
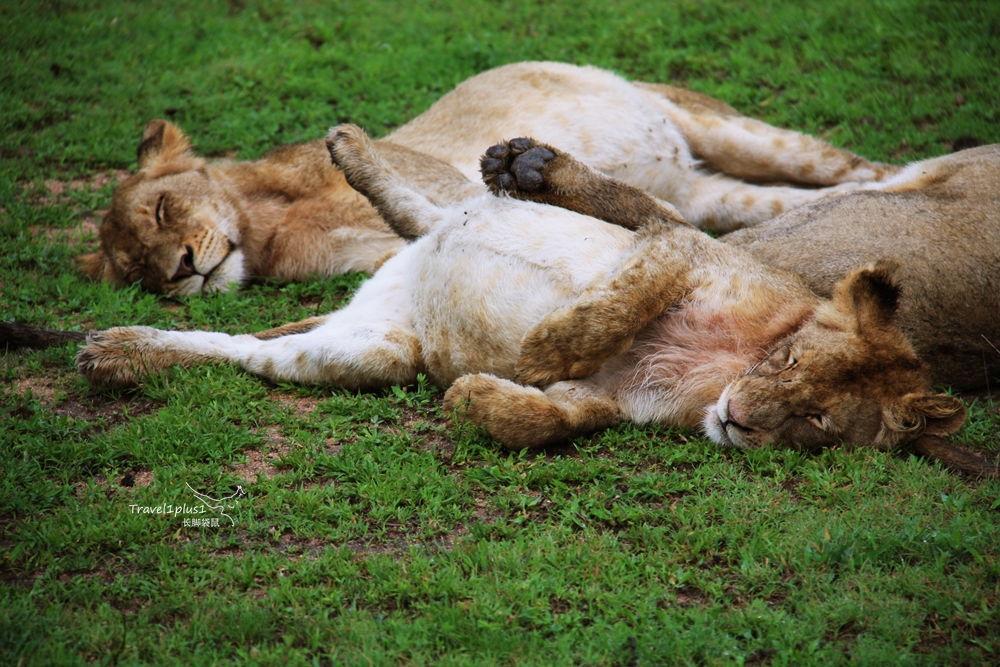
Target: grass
373,533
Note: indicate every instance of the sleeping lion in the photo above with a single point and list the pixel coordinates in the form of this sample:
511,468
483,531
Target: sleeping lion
182,225
553,321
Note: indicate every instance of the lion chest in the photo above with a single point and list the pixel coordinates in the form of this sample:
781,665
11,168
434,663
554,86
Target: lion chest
681,362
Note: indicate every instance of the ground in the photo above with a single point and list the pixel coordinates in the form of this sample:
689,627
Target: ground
372,532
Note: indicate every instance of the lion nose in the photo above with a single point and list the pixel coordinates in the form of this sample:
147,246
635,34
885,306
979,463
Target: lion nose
735,414
186,266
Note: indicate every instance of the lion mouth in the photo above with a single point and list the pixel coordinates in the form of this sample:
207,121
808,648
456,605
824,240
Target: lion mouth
203,272
211,272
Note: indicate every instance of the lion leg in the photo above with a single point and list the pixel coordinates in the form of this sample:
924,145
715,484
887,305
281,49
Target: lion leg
369,343
409,212
525,417
718,203
529,170
309,243
746,148
573,342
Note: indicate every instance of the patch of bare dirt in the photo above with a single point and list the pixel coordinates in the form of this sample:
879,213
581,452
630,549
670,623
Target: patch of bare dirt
427,431
139,478
302,406
259,464
91,408
74,236
114,411
687,596
55,191
58,193
129,481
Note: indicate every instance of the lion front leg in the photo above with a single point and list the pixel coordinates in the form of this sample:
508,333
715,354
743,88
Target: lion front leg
525,417
369,343
351,355
573,342
120,358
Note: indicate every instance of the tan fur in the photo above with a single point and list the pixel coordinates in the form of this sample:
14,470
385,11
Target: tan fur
182,225
498,285
939,220
291,214
291,328
777,365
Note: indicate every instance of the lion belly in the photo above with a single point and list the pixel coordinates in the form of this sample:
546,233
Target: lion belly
596,116
492,271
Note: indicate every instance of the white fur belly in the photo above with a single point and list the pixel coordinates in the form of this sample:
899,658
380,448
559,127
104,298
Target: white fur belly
483,278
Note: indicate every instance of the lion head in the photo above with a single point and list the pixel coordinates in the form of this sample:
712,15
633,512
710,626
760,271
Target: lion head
172,226
848,375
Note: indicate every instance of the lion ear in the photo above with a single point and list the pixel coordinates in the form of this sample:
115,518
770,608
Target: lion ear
164,149
98,267
944,414
871,294
927,414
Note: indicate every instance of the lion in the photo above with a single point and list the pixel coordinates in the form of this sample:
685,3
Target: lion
182,225
939,219
550,322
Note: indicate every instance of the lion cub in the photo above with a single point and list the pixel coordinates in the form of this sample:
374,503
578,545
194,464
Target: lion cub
498,294
183,225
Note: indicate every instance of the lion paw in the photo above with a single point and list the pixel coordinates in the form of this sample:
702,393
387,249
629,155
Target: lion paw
574,342
541,365
516,416
353,153
515,166
113,359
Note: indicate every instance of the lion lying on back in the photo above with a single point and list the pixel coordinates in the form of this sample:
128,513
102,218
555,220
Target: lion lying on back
548,324
182,225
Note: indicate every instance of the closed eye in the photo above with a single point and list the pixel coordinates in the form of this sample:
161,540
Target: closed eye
159,209
133,274
819,421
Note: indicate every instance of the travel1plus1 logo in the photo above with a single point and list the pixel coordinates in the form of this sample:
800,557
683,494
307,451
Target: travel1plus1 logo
204,512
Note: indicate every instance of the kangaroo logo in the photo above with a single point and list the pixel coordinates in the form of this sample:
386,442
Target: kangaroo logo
219,505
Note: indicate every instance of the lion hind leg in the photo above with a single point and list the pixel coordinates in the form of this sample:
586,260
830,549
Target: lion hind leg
121,357
750,149
718,203
525,417
409,212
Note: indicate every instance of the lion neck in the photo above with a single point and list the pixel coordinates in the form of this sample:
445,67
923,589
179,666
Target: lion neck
681,363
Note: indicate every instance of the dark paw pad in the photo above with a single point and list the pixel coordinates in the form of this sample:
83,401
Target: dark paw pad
527,168
515,166
519,145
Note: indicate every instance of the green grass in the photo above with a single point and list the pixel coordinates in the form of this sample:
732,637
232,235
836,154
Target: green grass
373,533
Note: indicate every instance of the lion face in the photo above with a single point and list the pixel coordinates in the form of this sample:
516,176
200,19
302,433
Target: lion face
170,226
847,376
